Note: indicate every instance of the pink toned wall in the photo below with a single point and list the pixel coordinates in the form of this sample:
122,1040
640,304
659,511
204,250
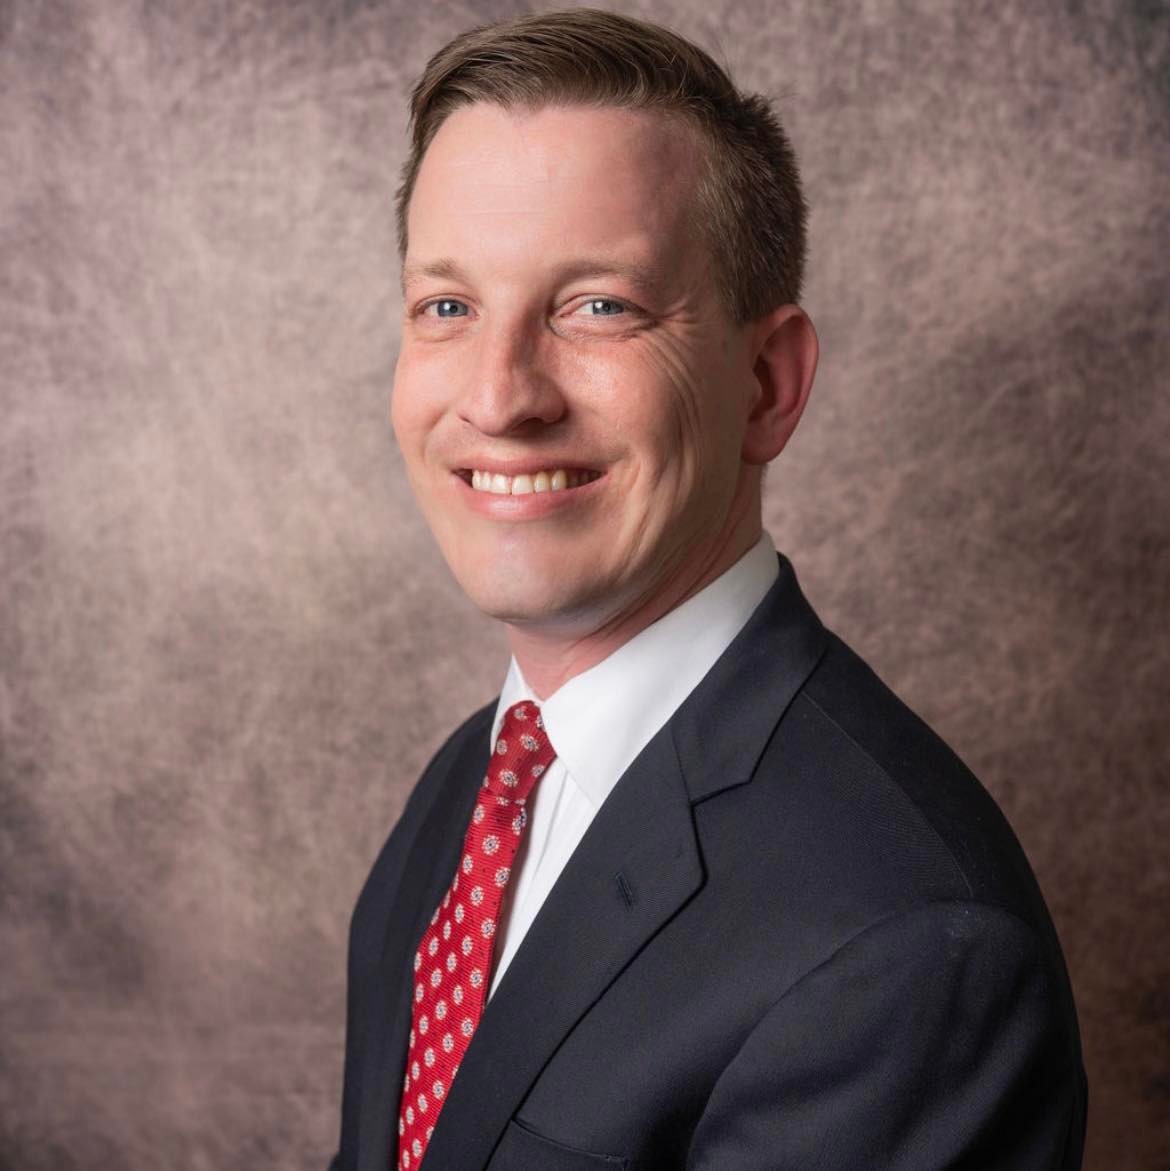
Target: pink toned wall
227,643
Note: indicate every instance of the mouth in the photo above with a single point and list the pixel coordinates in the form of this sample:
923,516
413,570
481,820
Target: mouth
527,483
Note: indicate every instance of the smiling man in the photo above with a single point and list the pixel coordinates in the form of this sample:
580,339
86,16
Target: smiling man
696,891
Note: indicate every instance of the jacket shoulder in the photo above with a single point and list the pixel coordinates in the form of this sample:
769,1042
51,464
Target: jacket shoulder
915,782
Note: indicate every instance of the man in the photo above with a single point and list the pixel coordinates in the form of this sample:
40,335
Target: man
697,891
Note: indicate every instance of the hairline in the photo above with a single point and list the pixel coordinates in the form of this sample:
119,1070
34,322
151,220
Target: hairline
701,215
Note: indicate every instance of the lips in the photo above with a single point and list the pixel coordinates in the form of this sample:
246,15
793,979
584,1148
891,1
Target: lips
528,483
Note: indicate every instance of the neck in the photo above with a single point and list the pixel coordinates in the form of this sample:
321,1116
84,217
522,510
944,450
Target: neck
549,658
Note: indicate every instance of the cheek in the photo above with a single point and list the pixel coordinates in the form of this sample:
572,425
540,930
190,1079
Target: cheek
414,407
670,405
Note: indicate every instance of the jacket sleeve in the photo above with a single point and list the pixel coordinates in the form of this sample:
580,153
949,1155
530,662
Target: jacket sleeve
937,1038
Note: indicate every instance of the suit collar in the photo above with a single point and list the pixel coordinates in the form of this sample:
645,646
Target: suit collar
601,719
724,725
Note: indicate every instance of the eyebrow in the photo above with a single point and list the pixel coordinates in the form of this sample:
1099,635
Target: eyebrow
446,270
649,278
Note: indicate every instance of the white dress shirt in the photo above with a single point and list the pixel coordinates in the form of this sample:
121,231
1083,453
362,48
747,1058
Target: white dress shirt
600,720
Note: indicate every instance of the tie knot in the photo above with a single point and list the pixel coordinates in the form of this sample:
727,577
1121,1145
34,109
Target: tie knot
521,753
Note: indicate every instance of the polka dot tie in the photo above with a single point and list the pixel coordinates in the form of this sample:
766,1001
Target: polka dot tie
453,964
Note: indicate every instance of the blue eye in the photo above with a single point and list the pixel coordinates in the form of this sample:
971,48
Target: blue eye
603,307
448,308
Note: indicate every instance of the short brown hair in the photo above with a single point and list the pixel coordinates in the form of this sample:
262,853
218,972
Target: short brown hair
750,198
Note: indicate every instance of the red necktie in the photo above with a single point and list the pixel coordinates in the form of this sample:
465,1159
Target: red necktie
453,964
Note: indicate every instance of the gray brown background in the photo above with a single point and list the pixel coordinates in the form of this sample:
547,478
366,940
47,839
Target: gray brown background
227,644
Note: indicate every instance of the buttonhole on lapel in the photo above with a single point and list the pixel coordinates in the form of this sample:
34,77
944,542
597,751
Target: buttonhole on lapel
626,889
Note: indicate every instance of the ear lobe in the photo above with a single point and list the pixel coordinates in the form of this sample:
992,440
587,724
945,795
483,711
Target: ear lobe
785,364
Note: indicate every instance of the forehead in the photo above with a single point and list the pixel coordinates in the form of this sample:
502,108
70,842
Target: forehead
509,184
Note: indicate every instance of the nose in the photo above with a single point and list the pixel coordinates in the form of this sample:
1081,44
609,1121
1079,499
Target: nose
510,388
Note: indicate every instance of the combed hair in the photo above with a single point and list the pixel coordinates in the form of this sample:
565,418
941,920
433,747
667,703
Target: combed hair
750,203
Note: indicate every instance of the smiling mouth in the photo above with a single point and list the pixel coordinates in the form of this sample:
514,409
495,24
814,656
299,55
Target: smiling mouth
552,480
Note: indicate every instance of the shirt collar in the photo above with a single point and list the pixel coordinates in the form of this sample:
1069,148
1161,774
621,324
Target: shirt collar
600,720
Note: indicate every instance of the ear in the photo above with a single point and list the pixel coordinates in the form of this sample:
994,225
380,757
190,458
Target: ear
786,352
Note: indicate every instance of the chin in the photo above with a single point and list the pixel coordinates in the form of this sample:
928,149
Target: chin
514,604
513,595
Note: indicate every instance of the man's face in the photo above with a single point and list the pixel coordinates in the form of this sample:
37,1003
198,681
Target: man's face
571,395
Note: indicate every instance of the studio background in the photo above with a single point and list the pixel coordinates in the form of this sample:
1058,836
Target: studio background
228,644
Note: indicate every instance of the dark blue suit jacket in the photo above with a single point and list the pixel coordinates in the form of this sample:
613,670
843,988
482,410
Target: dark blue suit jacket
798,934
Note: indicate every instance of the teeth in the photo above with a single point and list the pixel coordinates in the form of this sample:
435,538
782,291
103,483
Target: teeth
556,480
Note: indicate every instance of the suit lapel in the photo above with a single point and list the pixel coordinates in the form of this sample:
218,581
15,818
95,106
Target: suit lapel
636,865
429,868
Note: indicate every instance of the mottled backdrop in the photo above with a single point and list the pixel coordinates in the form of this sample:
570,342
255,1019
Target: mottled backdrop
227,644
